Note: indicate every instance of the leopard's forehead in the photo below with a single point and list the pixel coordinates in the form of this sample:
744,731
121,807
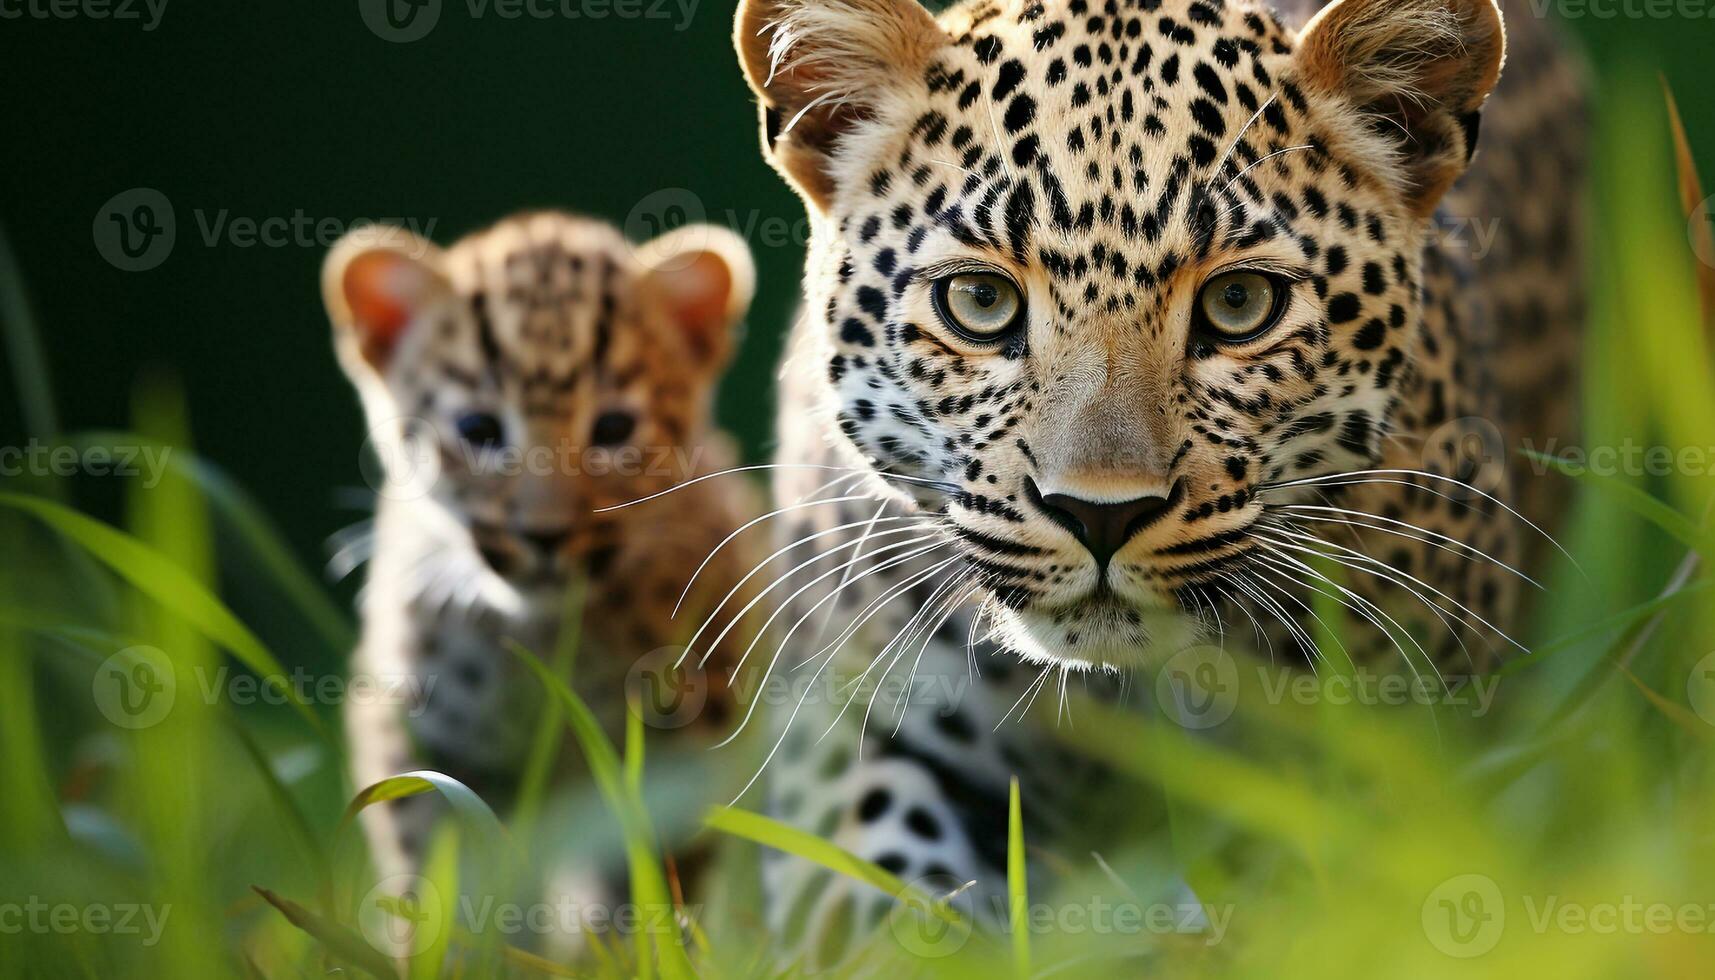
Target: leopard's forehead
1099,142
547,295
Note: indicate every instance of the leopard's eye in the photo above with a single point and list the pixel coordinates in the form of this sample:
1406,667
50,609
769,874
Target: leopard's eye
979,306
481,429
1239,306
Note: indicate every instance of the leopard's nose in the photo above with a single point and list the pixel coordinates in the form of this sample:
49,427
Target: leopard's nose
1104,527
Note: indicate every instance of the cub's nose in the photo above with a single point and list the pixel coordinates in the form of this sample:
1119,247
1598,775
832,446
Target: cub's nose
1103,527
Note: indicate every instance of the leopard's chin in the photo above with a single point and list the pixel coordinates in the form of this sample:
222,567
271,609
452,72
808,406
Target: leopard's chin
1102,633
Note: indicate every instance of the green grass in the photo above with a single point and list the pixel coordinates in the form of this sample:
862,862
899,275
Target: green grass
1319,839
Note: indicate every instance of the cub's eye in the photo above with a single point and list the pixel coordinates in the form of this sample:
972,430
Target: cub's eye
1239,306
613,428
979,306
481,429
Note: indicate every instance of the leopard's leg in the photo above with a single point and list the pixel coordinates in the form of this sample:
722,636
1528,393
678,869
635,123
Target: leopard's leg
920,790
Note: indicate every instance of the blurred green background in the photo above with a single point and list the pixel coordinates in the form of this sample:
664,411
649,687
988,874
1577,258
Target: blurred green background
274,109
1593,784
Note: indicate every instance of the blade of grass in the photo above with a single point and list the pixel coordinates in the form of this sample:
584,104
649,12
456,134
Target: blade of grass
1691,200
634,783
441,871
158,577
545,747
286,807
1017,884
648,883
340,942
254,532
782,837
466,805
23,348
1637,501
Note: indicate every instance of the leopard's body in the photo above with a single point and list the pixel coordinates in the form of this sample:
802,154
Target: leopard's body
1108,159
518,386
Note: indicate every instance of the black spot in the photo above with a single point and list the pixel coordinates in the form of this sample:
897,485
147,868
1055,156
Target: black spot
853,331
874,804
922,823
1344,308
1371,336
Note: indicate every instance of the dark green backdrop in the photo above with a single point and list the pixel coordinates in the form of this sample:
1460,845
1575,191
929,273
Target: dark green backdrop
275,109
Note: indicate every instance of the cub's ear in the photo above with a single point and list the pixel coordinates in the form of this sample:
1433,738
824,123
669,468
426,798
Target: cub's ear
1419,70
818,66
704,277
376,282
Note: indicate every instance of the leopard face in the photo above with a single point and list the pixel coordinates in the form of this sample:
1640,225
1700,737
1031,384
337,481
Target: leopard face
1090,280
530,376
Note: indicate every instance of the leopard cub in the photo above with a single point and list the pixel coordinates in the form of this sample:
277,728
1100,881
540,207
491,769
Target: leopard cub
519,387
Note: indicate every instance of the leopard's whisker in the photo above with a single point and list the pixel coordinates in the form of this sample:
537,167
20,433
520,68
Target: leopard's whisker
1328,480
766,562
1264,159
937,485
1306,512
1364,608
845,579
1261,636
948,611
1253,588
1454,625
1387,571
747,525
1033,685
1234,145
904,588
787,638
901,642
786,729
787,602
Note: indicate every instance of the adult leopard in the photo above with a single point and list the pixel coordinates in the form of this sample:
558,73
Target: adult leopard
1123,317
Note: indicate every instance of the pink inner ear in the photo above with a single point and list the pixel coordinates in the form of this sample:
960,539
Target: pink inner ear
377,290
698,291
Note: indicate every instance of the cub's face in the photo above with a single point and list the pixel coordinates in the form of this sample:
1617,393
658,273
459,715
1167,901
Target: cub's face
531,375
1104,273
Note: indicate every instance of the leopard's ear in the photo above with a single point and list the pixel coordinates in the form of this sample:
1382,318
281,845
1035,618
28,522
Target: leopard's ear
1417,73
820,66
704,277
376,282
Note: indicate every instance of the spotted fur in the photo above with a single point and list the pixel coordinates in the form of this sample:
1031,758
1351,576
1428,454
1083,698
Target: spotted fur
1110,158
517,385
